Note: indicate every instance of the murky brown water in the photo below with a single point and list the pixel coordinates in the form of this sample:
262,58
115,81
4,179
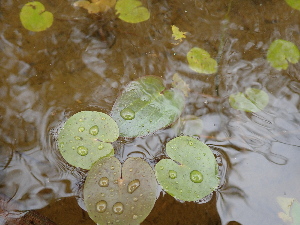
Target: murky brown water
83,62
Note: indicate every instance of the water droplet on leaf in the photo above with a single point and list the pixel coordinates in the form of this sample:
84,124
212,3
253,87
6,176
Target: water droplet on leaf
118,208
100,147
133,185
81,150
78,138
134,217
196,176
172,174
103,182
127,114
94,130
81,129
101,206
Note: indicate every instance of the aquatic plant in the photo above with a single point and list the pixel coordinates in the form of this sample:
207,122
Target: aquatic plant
253,100
34,17
86,137
190,174
281,52
146,106
120,194
95,6
200,61
132,11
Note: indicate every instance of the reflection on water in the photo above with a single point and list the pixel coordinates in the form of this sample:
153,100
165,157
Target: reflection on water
83,62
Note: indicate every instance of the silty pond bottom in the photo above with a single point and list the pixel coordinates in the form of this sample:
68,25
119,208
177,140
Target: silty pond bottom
82,62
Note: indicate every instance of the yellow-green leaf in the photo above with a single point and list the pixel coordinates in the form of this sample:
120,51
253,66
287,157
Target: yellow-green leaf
200,61
96,6
177,34
131,11
34,17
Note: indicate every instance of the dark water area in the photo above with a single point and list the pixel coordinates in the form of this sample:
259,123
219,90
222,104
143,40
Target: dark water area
82,62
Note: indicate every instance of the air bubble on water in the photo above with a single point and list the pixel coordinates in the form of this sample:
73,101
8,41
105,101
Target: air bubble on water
127,114
133,185
118,208
94,130
196,176
81,150
101,206
103,182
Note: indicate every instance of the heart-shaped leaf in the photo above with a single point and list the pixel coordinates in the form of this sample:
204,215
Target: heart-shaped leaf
34,17
191,172
281,52
115,195
200,61
254,100
294,4
145,106
85,136
132,11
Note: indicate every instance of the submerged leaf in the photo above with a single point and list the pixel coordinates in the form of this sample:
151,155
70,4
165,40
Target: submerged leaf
85,138
145,106
34,17
177,34
281,52
132,11
254,100
189,125
294,4
179,83
200,61
126,194
191,172
291,210
96,6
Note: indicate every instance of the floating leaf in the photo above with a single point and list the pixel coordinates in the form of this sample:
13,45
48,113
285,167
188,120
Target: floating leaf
96,6
132,11
177,34
294,4
34,17
126,195
191,172
254,100
145,106
200,61
85,136
281,52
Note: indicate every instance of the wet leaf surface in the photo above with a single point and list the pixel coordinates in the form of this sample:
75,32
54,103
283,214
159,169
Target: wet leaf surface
120,194
146,106
294,4
132,11
281,52
190,174
34,17
253,100
85,138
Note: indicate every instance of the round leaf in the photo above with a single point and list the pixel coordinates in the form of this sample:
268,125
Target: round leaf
281,52
34,17
200,61
120,195
132,11
145,106
84,137
294,4
191,173
254,100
